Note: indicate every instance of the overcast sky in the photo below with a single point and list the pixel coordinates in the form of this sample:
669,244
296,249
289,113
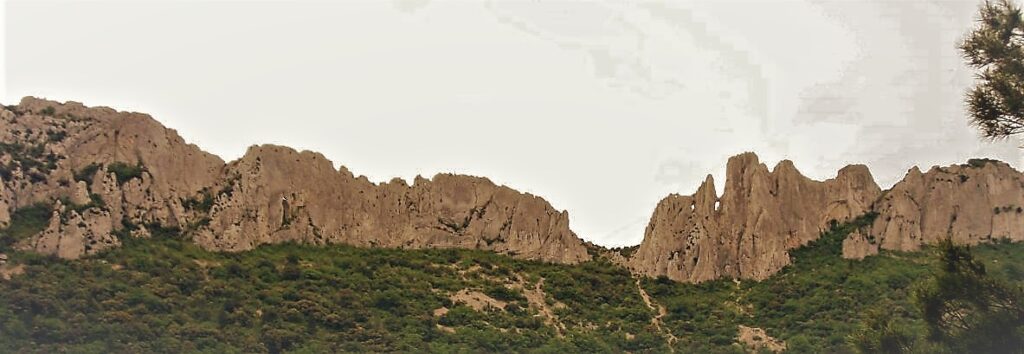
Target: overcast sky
602,108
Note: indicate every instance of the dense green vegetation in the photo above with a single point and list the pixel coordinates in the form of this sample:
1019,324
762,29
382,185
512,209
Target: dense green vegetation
165,294
25,222
967,310
821,301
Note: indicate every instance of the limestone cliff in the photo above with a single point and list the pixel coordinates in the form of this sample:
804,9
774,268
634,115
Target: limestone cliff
275,194
976,202
125,168
763,214
747,232
72,234
107,175
110,172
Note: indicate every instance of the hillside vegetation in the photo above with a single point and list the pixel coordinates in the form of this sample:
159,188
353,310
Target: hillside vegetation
164,294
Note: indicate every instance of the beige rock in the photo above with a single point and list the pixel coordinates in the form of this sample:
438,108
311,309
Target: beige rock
64,139
971,203
760,216
859,245
440,311
80,193
273,194
7,272
477,300
5,205
71,235
276,194
764,214
757,340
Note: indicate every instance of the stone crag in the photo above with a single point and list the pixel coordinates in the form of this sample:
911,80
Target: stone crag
980,201
107,175
112,174
275,194
747,232
113,168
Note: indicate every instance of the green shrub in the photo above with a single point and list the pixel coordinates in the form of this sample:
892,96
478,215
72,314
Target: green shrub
125,172
203,204
980,162
87,173
25,222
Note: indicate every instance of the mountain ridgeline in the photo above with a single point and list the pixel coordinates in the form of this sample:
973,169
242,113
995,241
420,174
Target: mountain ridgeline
105,176
748,231
107,173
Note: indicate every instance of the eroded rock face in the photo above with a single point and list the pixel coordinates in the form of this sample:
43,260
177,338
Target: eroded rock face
115,168
72,234
760,216
275,194
972,203
763,214
124,170
6,199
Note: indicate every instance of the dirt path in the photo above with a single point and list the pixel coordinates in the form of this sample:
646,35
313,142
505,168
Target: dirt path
536,299
656,320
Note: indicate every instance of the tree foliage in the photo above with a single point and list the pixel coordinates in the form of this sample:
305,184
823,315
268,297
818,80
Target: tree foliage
995,48
968,310
963,309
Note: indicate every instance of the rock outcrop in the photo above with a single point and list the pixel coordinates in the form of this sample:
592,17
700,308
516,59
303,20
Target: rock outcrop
71,234
275,194
747,232
980,201
763,214
6,201
107,175
113,168
123,173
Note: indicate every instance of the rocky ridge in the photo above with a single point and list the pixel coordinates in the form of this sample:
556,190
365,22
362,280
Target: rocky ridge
110,175
106,175
275,194
747,232
980,201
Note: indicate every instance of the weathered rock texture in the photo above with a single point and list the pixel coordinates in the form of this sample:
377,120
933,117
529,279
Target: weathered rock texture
108,175
275,194
763,214
71,234
980,201
747,232
123,173
114,168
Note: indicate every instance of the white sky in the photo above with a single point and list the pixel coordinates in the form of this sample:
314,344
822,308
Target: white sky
602,108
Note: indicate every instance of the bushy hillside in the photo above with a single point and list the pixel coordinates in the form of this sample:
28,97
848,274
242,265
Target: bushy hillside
165,294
